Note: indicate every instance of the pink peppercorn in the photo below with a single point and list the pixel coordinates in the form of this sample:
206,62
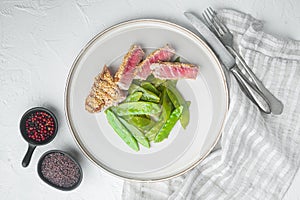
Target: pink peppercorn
39,126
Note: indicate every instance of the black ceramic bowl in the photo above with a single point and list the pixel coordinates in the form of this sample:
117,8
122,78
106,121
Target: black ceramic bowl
32,143
56,171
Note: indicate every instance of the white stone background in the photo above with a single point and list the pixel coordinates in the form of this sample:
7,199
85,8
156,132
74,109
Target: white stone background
39,40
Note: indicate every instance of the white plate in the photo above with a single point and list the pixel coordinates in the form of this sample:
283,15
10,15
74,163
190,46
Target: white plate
184,148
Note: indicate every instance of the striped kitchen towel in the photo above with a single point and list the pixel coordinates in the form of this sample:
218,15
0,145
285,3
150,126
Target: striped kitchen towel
259,154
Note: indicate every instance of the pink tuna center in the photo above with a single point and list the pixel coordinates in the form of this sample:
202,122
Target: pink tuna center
133,61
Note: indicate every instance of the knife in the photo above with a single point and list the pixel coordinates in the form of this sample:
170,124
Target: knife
229,62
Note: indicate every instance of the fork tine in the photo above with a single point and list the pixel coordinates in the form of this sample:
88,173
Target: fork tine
212,27
210,18
210,24
217,20
214,13
217,23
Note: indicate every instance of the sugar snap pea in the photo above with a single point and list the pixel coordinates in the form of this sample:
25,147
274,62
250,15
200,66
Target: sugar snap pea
134,97
168,126
166,103
177,59
177,101
167,108
147,95
137,134
174,82
155,81
188,103
141,122
122,131
134,88
137,108
151,134
148,86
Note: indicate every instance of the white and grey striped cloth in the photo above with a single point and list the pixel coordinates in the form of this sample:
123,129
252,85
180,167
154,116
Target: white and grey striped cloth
259,154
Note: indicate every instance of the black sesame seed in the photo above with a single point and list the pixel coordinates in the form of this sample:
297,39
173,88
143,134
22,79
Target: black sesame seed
60,170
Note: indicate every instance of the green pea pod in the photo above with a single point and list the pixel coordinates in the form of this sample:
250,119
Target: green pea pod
168,126
137,134
136,81
147,95
173,98
150,78
151,134
133,88
177,101
137,108
167,108
140,122
188,103
122,131
148,86
174,82
134,97
166,103
155,81
177,59
171,82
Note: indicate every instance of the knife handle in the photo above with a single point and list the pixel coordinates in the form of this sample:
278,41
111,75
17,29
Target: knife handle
251,92
275,104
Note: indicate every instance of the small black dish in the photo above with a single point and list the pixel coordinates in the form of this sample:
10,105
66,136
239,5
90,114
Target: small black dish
56,167
31,142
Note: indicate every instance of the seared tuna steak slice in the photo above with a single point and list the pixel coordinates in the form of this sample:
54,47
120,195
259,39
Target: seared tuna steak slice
163,54
127,69
104,92
174,70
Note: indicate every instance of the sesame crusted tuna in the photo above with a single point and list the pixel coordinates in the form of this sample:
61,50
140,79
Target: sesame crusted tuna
163,54
127,69
174,70
104,93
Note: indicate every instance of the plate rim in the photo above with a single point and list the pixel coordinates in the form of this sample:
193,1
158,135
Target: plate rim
80,54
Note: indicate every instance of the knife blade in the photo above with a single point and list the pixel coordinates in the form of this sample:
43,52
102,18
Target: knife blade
221,51
229,62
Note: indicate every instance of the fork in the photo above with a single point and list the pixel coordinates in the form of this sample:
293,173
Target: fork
226,37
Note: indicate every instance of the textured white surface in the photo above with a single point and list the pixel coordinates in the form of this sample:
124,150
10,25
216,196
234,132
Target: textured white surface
39,41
